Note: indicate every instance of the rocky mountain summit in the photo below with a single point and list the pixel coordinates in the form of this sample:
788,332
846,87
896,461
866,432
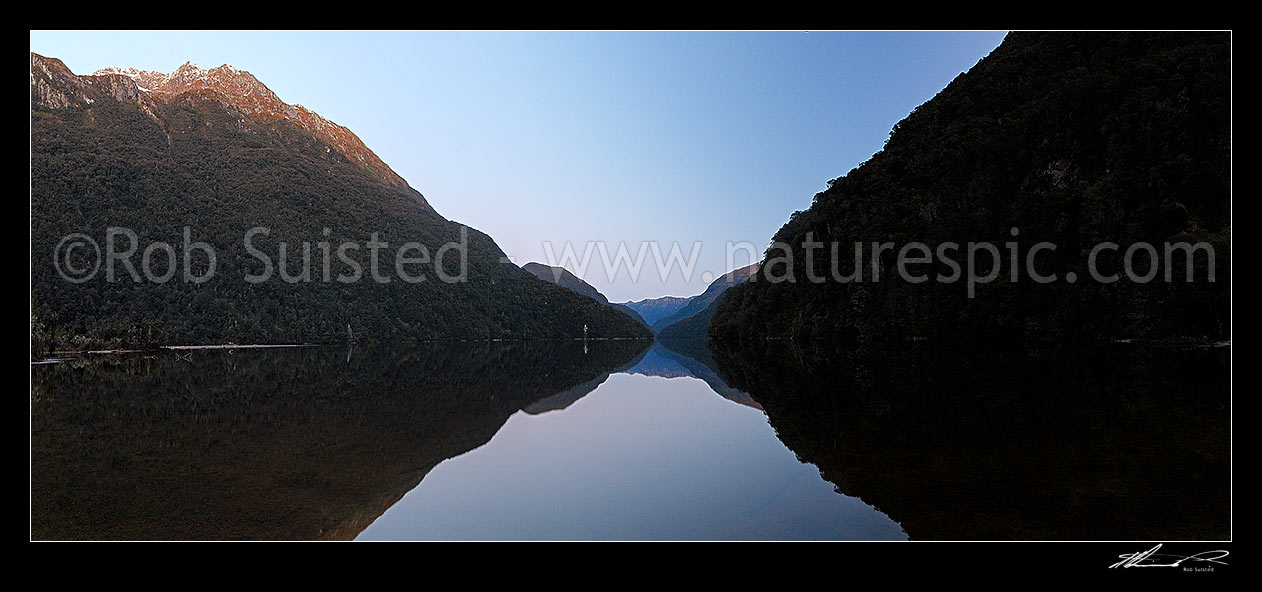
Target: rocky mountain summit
226,84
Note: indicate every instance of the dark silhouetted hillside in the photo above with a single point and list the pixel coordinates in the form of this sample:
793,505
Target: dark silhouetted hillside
1075,139
214,151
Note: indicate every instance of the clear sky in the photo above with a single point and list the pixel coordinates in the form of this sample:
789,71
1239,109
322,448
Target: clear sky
543,138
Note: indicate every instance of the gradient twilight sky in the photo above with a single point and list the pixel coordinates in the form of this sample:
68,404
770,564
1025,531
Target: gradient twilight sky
541,137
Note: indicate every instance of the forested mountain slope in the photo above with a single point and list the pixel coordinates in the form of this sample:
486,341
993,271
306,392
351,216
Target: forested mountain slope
216,153
1075,139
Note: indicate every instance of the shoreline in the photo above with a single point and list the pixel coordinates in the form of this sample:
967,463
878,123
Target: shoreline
57,356
234,346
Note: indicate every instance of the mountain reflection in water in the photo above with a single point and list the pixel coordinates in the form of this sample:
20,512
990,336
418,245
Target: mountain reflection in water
286,444
648,454
613,439
1119,442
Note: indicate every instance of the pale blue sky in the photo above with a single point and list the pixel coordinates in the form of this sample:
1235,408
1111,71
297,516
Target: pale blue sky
610,137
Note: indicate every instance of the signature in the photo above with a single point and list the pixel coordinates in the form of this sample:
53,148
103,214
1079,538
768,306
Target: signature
1151,558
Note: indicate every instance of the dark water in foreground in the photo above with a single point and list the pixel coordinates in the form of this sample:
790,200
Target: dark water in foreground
614,440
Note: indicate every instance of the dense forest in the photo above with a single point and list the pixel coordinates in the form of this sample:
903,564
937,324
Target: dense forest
1074,139
102,158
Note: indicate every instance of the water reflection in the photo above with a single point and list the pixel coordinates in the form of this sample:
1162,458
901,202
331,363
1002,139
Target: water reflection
613,439
647,453
307,443
1106,443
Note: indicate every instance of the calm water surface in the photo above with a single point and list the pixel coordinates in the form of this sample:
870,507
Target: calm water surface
639,457
617,440
486,441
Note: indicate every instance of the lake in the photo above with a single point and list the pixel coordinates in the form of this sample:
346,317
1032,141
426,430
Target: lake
623,440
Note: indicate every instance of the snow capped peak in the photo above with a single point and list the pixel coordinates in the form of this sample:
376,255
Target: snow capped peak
188,74
244,92
128,72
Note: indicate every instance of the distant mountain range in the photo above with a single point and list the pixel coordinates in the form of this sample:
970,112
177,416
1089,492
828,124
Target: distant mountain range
562,277
653,309
704,300
216,153
661,313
